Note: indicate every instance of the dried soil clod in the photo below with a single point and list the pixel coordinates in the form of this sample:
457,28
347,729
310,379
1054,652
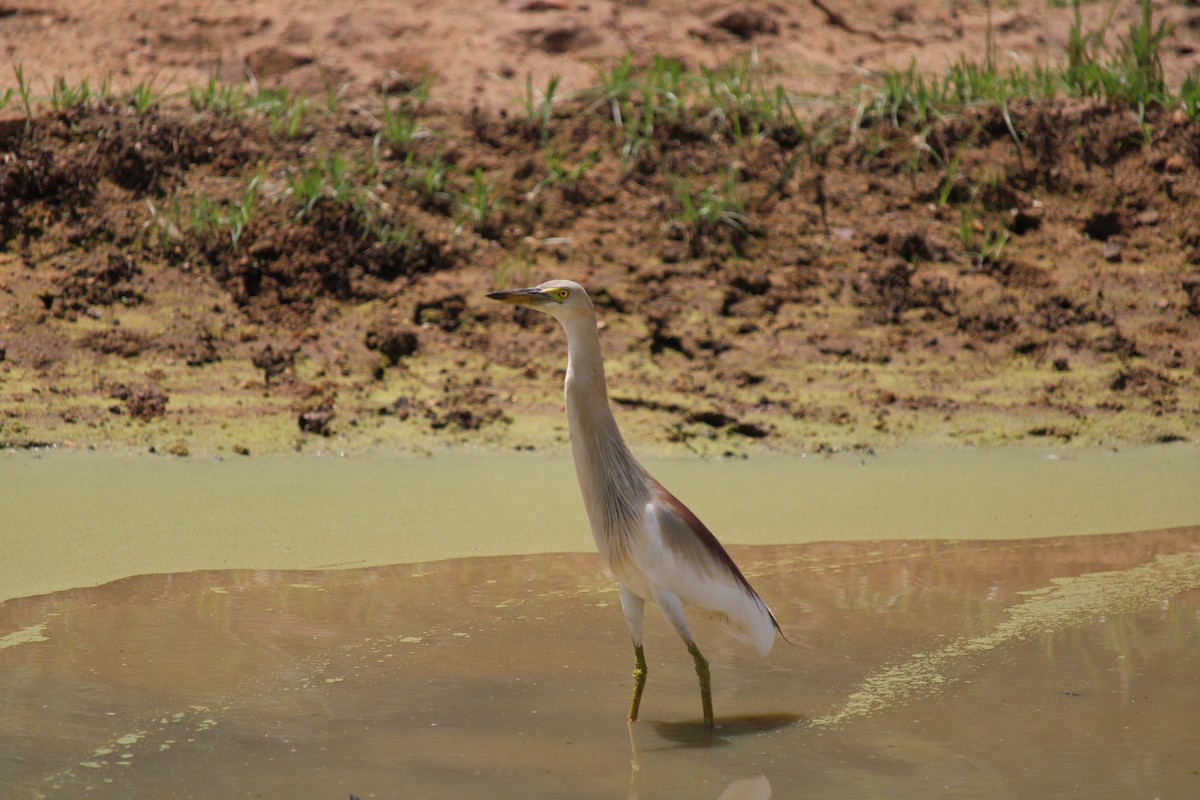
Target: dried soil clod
559,36
1191,286
146,403
316,420
744,21
1103,225
274,361
273,61
392,342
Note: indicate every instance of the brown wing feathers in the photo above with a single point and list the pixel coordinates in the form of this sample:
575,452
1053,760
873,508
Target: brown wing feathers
708,542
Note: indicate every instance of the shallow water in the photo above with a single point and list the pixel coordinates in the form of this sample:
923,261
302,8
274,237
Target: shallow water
1061,667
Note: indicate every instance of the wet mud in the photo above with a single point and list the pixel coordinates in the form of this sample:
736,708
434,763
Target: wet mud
1057,667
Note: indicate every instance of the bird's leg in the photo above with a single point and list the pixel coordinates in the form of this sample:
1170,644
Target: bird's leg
705,683
633,607
672,609
639,680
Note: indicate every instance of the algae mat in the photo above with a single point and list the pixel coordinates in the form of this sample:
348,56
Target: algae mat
78,519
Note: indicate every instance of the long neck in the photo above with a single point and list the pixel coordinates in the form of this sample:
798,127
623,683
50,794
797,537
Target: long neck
586,390
614,486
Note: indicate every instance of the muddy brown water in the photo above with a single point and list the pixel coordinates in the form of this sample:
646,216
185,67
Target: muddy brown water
952,666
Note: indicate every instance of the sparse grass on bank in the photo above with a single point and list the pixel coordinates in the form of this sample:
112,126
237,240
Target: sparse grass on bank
646,104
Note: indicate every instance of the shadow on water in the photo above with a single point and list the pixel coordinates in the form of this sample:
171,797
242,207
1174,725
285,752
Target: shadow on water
1043,668
727,731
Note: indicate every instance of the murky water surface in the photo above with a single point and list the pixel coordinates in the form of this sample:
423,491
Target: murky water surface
1060,667
1042,668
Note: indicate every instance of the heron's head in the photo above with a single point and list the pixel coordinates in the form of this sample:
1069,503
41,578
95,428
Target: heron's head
562,300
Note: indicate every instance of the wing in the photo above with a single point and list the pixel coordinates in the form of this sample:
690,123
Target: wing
681,555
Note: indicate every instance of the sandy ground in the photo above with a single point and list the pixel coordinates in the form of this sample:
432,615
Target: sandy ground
481,50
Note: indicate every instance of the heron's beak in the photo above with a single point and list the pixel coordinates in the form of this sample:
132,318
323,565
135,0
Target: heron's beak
520,297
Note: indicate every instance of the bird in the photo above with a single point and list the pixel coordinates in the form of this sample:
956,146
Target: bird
656,548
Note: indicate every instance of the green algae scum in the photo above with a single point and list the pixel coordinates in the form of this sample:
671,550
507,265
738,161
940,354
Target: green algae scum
327,628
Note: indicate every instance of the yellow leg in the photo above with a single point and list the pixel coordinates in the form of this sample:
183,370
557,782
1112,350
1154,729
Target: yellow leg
639,681
705,684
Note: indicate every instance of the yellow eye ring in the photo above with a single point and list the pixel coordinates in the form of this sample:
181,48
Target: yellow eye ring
560,294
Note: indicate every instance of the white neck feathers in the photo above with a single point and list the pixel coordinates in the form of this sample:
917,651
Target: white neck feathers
615,487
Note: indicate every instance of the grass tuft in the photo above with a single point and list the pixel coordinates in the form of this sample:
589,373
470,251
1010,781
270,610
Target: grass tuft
483,207
223,99
1130,74
710,209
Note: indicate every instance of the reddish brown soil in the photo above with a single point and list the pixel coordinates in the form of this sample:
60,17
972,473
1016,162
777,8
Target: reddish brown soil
850,310
481,50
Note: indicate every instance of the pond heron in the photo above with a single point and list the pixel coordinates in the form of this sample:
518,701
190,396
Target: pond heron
657,548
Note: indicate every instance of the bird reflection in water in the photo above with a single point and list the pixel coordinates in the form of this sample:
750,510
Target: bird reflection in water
689,735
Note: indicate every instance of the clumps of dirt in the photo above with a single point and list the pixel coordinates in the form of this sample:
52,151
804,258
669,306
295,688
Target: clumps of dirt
274,361
1053,134
288,265
143,403
1191,287
465,406
445,312
115,341
462,418
1058,311
663,336
315,411
101,280
722,421
910,243
894,287
54,166
461,407
196,348
743,20
391,341
558,36
1144,382
38,172
454,418
757,294
149,153
1103,225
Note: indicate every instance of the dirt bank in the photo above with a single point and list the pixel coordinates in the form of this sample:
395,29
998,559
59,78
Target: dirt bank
201,267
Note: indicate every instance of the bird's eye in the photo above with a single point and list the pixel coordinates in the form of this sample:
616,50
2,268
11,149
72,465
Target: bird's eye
561,294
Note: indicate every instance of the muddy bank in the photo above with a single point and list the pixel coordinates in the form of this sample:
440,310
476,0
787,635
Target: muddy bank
853,312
